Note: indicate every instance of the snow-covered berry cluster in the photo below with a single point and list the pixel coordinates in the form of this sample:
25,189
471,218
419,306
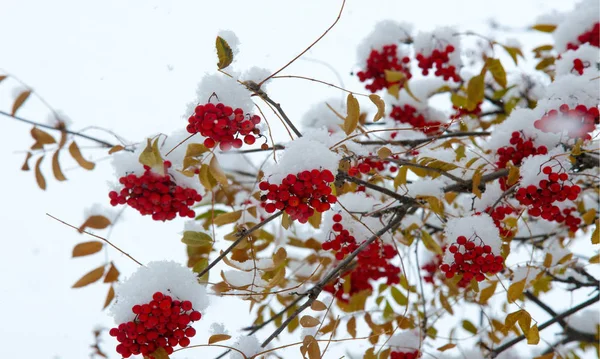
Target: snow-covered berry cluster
578,122
343,243
373,263
498,214
405,355
380,61
440,60
299,195
592,37
409,115
223,125
156,195
520,148
161,323
540,199
471,260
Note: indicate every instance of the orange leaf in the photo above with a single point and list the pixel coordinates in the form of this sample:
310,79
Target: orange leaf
95,222
76,154
109,296
20,100
112,275
116,148
307,321
318,306
58,173
41,137
25,166
39,177
87,248
90,277
351,327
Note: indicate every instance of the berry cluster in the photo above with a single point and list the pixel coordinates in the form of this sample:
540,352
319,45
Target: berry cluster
365,165
578,66
408,114
431,268
343,243
471,260
460,112
371,264
162,323
498,214
568,219
520,147
156,195
378,62
405,355
222,124
299,195
540,199
440,60
591,37
579,122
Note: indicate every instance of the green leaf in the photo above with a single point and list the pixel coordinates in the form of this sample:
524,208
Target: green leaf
495,67
196,239
475,89
398,296
469,327
430,243
224,53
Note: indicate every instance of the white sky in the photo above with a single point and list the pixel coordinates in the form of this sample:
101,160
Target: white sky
107,63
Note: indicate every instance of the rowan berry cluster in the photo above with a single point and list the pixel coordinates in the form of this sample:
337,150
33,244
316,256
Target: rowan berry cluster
409,115
162,323
591,37
471,260
460,112
440,60
371,264
498,214
299,195
223,125
540,199
579,122
365,165
343,243
431,268
520,147
378,62
405,355
578,66
156,195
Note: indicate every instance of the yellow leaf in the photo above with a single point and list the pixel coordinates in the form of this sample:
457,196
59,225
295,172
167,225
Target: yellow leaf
315,220
307,321
545,62
596,233
409,92
384,153
394,90
217,172
380,107
20,100
58,173
476,181
430,243
195,150
394,76
515,290
398,296
76,154
224,53
215,338
511,319
353,110
109,297
534,335
150,156
39,177
351,327
400,178
226,218
112,275
544,27
90,277
446,347
469,327
286,221
95,222
524,322
513,174
548,260
206,178
487,292
475,90
495,67
445,304
159,353
589,216
595,259
87,248
513,52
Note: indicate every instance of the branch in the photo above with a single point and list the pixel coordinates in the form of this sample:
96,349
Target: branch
241,236
314,292
494,353
37,124
466,186
263,95
404,199
437,170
